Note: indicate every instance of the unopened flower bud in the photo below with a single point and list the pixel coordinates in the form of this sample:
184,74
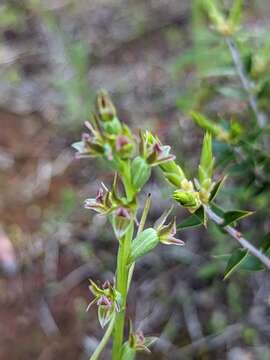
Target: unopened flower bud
105,107
144,242
187,199
172,172
186,185
140,172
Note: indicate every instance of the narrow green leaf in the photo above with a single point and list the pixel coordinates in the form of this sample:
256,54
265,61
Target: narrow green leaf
216,188
266,243
209,125
236,12
201,215
206,162
235,260
217,209
251,263
191,222
235,215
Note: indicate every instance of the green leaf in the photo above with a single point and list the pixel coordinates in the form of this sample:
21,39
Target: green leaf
208,271
219,72
207,161
232,92
216,188
234,215
193,221
218,210
266,243
235,260
201,215
236,12
250,262
209,125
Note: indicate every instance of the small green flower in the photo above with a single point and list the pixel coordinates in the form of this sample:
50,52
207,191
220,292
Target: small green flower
107,299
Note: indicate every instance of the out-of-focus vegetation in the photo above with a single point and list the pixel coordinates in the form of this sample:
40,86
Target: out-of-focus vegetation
165,66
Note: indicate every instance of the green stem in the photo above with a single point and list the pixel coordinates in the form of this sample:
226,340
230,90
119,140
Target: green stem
122,270
104,340
140,229
122,287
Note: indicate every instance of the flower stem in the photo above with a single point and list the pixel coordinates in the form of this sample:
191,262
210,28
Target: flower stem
246,83
104,340
122,287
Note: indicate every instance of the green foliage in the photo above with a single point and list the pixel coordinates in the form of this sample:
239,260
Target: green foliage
242,149
235,260
207,161
234,215
243,260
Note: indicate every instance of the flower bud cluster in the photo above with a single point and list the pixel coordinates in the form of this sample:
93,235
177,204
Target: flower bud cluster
107,137
186,195
225,26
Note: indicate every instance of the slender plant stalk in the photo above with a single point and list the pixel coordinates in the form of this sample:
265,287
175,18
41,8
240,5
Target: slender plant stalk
238,237
122,287
140,229
104,340
246,82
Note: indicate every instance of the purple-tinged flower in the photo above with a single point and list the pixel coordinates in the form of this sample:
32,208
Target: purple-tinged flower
107,299
159,154
91,145
104,301
101,203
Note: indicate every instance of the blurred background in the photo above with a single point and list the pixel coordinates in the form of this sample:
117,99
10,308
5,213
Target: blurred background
158,59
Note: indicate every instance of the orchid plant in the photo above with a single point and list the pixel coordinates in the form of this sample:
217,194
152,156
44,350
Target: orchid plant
132,158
